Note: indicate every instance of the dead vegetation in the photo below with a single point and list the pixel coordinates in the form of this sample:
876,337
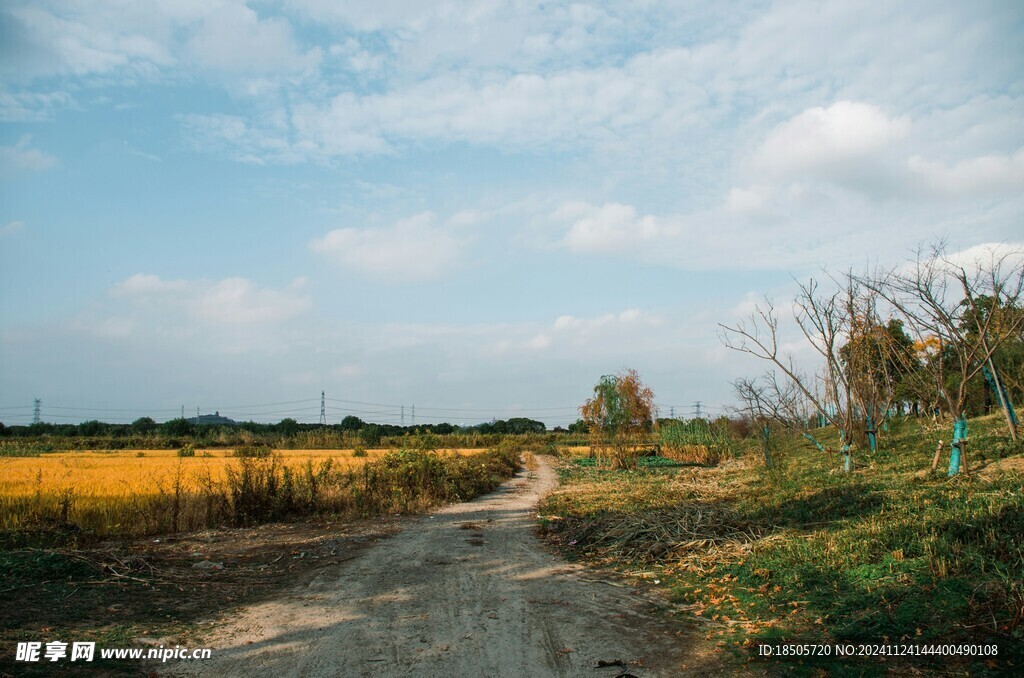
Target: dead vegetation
168,590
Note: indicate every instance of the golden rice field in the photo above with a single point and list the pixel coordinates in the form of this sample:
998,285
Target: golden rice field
120,491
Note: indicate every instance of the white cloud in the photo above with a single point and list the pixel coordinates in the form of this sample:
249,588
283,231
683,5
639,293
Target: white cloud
231,301
1007,256
245,141
147,284
750,200
412,250
612,227
432,36
981,175
32,106
234,39
237,300
834,140
21,157
799,228
11,227
522,110
858,147
629,318
81,40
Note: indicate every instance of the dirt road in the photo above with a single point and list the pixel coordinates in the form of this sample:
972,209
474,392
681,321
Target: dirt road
466,591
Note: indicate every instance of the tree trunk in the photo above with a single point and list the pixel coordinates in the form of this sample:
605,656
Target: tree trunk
1004,399
959,445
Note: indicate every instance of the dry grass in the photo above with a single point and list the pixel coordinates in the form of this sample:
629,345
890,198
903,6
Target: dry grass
114,492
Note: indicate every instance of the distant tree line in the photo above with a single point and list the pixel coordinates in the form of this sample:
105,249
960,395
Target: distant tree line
145,432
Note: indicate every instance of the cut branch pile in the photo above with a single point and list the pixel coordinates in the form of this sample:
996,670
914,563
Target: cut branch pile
680,532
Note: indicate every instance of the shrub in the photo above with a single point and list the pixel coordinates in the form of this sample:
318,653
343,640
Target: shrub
188,450
253,452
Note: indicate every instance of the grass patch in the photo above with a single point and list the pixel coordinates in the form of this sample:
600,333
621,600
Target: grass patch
890,554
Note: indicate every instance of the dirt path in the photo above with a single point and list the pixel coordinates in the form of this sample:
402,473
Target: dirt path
466,591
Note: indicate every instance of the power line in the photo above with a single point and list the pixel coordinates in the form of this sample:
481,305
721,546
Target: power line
458,409
270,410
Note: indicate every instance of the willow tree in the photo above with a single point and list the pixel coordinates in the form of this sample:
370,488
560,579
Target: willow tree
619,418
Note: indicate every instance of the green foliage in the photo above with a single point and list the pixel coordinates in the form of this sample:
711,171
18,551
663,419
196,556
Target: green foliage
176,427
642,462
579,426
371,435
253,451
144,425
513,426
92,428
188,450
696,440
352,423
17,448
288,427
619,416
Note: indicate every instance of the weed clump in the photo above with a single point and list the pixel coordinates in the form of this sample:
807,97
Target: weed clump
696,441
253,452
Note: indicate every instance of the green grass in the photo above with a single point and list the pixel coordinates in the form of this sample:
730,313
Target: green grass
642,462
892,553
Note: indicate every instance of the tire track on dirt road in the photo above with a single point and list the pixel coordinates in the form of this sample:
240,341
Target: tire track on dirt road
465,591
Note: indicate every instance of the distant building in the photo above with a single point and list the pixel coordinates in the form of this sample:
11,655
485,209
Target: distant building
212,420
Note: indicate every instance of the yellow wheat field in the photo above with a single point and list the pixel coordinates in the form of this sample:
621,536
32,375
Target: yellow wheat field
103,490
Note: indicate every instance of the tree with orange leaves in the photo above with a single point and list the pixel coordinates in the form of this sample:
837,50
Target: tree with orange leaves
619,416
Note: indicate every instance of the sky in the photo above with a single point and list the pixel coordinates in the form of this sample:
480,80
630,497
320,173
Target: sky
476,208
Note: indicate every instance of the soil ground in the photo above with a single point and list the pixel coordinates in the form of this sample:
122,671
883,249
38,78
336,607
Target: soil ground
465,591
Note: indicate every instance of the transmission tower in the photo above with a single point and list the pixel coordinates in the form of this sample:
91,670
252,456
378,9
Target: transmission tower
403,416
413,415
696,412
37,405
323,410
672,412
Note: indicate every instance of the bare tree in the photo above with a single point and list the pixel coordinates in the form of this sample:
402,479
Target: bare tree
862,359
998,321
766,401
939,299
824,320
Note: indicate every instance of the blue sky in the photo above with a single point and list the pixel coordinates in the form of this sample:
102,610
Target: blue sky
475,207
